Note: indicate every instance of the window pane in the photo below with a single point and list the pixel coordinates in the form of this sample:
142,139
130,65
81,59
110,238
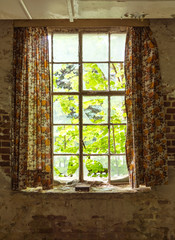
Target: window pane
117,47
118,110
95,139
95,76
65,109
95,109
95,47
65,77
118,167
95,168
117,77
66,139
66,167
50,52
117,139
65,47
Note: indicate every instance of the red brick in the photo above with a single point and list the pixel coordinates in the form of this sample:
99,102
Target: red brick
168,143
7,171
173,143
6,164
5,150
4,137
171,123
172,98
171,110
6,118
171,163
165,98
167,130
163,201
3,112
171,150
5,157
167,104
167,117
6,131
6,144
5,124
170,136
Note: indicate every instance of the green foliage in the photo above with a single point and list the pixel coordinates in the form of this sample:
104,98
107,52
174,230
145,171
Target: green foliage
95,168
95,138
93,77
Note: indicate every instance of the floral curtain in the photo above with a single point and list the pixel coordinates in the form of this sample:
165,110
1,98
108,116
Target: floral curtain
145,141
32,162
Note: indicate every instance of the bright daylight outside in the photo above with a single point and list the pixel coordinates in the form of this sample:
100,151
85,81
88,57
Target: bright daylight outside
89,117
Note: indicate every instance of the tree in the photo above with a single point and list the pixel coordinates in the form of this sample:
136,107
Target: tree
66,138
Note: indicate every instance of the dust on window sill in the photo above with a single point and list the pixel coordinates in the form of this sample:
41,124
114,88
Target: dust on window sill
95,187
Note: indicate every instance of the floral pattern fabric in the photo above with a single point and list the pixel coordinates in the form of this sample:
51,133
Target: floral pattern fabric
32,161
146,147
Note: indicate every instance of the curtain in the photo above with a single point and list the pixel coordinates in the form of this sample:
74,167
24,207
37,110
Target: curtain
32,161
146,148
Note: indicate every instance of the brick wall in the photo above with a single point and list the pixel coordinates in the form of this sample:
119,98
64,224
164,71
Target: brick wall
5,141
169,103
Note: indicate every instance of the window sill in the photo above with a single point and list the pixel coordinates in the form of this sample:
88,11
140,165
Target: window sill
107,188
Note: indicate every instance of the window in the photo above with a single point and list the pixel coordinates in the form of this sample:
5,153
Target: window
89,119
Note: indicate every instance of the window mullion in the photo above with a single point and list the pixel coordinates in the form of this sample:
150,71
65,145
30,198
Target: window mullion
80,112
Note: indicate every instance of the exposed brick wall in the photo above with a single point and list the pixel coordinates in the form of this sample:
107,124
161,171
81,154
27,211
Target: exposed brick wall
5,142
169,103
6,83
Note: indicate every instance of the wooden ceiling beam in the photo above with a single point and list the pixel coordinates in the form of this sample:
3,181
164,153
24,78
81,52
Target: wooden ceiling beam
81,23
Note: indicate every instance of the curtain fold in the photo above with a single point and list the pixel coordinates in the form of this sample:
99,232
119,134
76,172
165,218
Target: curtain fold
32,160
146,148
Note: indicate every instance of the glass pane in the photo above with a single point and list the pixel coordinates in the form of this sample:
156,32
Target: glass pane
95,47
117,77
118,167
95,168
66,139
95,139
65,77
117,139
118,47
65,109
95,109
65,47
50,52
50,69
66,167
118,110
95,76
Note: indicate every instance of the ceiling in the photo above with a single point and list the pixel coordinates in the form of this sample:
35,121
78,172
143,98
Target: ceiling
86,9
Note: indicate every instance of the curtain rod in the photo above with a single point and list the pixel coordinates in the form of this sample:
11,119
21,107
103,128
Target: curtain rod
81,23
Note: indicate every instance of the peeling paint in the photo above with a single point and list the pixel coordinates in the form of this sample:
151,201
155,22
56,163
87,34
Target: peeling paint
102,213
